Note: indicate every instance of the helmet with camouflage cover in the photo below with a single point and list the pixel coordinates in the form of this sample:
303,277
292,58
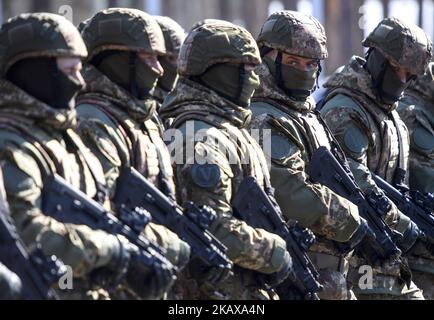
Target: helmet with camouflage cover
213,43
123,29
173,34
405,44
294,33
34,35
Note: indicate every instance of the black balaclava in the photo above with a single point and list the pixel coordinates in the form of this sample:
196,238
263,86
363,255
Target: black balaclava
42,79
296,83
127,70
231,81
387,82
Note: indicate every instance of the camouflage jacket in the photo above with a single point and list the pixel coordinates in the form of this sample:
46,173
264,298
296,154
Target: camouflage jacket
295,133
371,134
417,111
121,131
35,141
212,154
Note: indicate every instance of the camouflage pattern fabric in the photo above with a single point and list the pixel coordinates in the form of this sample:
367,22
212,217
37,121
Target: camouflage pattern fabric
294,125
32,146
119,130
367,132
193,106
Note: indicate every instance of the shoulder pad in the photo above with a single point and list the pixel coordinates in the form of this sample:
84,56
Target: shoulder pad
280,147
205,175
423,139
355,141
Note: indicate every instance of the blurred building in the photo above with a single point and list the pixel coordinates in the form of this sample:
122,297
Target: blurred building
346,22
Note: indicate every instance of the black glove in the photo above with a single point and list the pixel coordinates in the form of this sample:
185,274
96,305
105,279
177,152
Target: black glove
204,273
410,237
148,282
362,233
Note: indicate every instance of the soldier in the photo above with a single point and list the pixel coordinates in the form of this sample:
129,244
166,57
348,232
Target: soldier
211,98
360,111
292,46
416,109
174,35
40,62
116,110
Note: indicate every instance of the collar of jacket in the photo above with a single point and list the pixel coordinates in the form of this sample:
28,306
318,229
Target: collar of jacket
15,102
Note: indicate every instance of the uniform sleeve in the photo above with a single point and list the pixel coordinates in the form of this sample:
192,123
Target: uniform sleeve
80,247
210,182
313,205
421,160
351,130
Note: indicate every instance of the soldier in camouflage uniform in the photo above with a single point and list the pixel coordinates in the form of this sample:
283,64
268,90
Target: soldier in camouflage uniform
416,109
211,100
40,62
173,37
360,111
292,46
116,110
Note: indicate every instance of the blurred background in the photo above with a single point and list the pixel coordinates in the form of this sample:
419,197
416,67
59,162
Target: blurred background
346,21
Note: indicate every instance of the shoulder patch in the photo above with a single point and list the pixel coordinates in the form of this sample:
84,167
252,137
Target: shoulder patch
205,175
423,139
355,141
280,147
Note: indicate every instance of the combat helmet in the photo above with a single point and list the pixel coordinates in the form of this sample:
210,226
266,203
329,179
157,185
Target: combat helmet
405,44
34,35
294,33
123,29
213,43
173,34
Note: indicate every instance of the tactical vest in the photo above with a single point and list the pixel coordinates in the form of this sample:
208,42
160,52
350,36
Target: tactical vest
389,148
62,153
251,160
147,150
304,129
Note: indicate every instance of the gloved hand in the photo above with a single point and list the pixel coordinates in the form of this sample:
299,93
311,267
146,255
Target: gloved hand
148,282
411,235
362,233
202,272
281,256
287,271
125,266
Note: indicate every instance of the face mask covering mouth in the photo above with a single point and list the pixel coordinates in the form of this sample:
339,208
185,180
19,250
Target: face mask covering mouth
296,83
385,79
128,71
232,82
168,81
42,79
